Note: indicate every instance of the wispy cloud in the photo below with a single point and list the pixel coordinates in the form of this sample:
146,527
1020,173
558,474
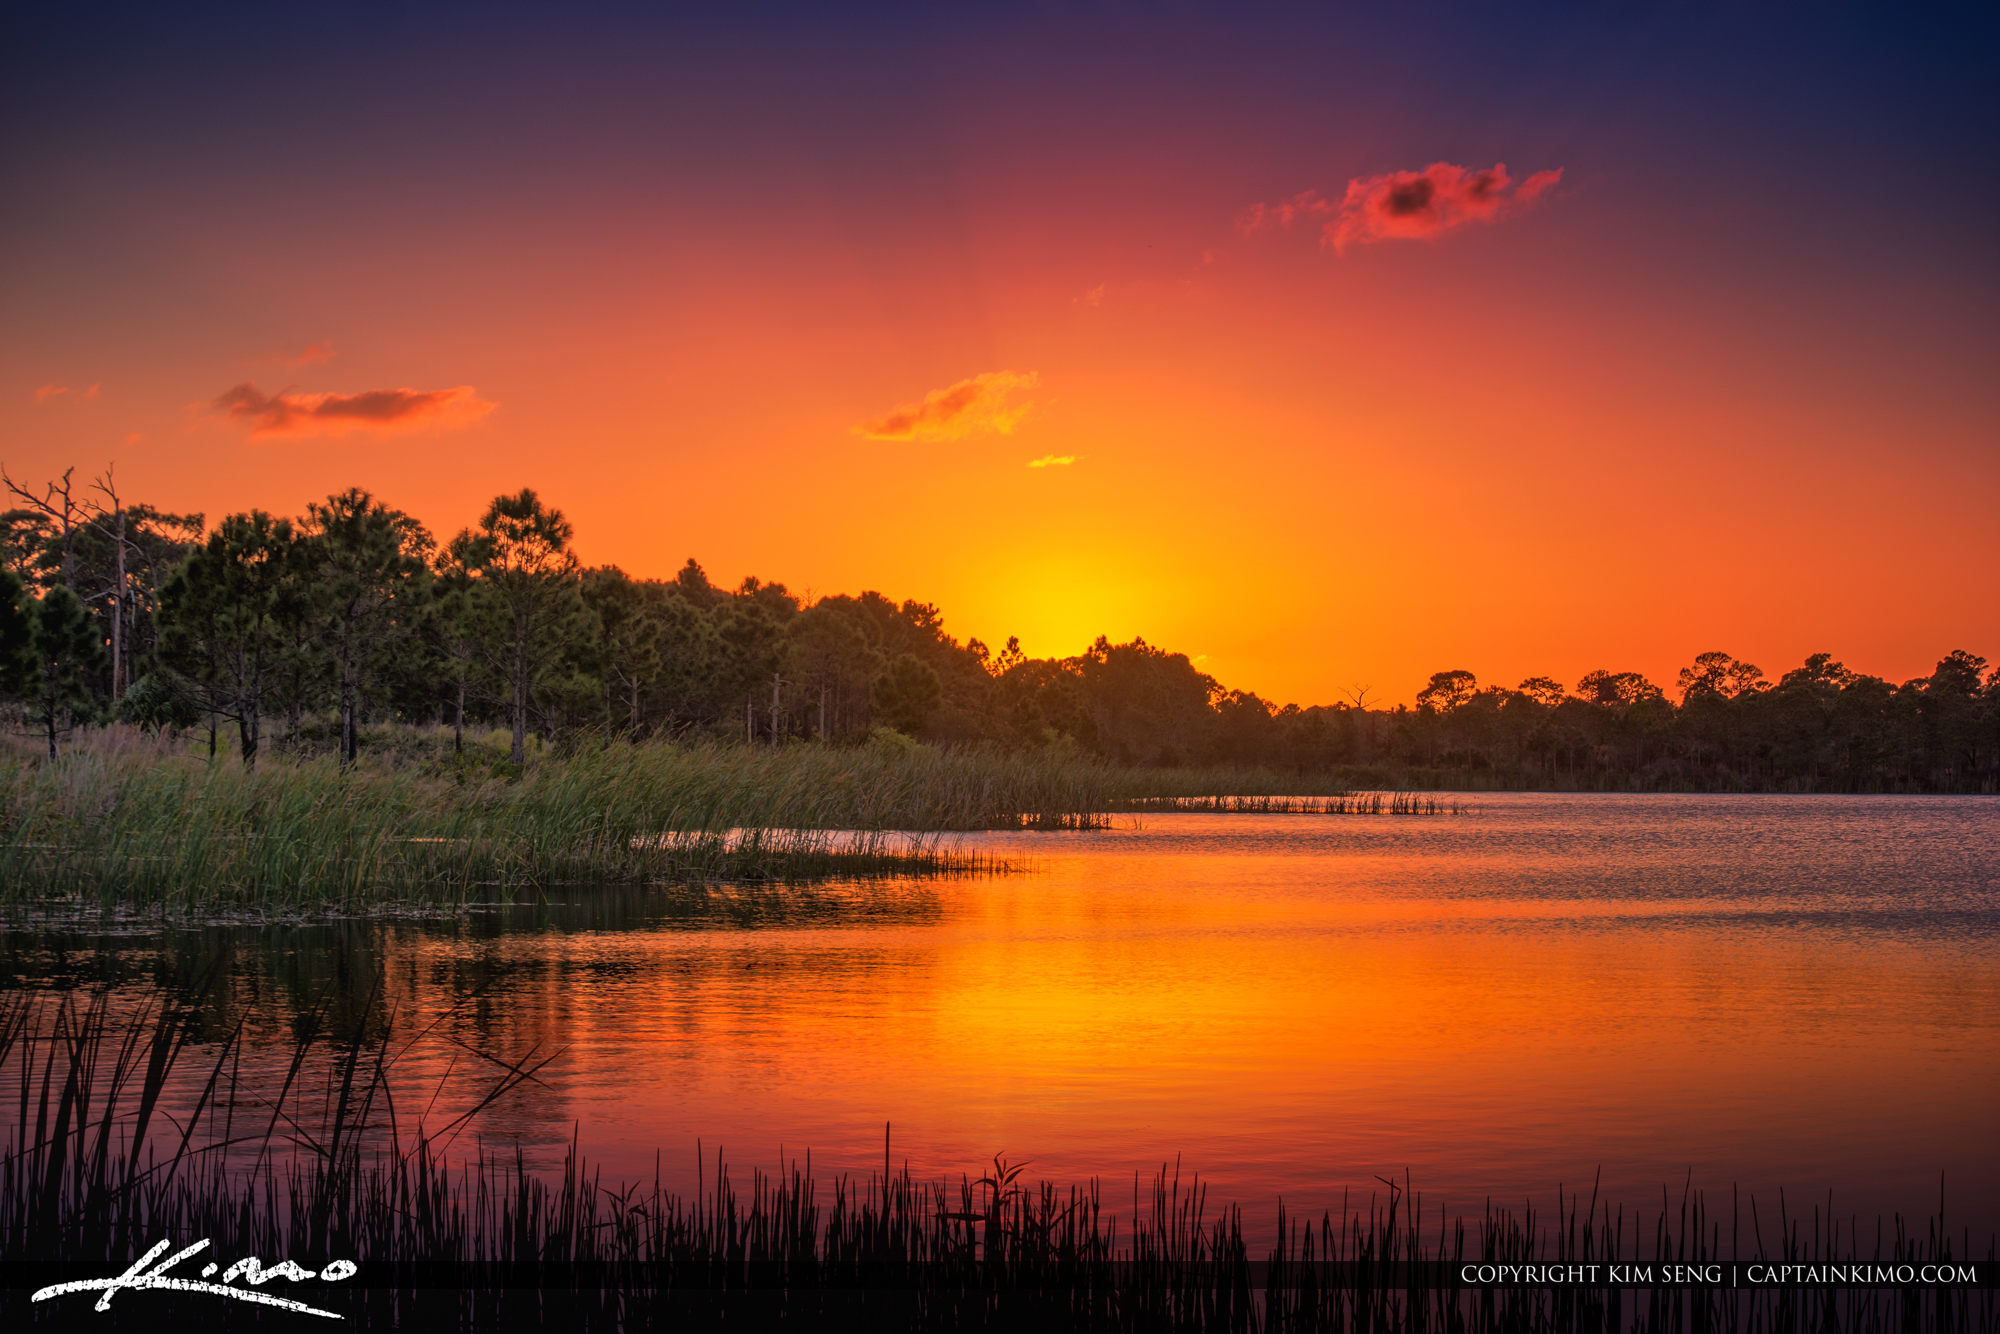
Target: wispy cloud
970,407
313,355
1052,461
1094,297
1275,217
49,391
1404,205
378,411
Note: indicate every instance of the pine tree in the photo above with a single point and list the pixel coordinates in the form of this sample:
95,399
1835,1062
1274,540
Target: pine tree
69,652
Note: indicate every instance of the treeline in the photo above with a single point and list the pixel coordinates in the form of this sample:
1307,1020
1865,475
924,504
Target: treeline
298,632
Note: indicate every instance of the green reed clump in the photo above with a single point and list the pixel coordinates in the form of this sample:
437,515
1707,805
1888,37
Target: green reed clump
176,832
1348,803
98,1168
130,822
1211,780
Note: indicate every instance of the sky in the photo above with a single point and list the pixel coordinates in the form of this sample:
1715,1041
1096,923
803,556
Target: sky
1332,348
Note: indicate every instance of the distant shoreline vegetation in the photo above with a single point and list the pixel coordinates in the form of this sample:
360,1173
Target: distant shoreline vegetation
305,635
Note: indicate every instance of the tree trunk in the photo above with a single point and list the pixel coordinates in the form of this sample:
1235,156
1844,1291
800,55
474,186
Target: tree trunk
118,617
458,721
520,710
350,743
246,730
606,681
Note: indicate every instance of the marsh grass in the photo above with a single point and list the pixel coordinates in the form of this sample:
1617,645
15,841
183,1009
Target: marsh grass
132,821
136,825
90,1181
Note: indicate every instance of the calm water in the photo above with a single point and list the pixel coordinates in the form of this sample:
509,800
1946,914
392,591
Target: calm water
1766,991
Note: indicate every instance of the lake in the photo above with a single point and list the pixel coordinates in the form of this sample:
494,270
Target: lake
1760,991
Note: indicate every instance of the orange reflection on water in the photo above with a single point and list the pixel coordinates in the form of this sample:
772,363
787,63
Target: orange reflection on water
1767,992
1801,996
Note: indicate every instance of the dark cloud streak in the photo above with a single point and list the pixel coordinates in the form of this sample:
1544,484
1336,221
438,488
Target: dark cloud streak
288,414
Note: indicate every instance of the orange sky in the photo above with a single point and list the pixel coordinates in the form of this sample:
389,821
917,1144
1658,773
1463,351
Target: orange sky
1637,416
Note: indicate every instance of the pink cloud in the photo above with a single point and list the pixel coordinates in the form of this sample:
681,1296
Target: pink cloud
1405,205
378,411
313,355
1274,217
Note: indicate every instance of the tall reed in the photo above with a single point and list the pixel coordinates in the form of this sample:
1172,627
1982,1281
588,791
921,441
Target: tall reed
177,833
123,821
89,1182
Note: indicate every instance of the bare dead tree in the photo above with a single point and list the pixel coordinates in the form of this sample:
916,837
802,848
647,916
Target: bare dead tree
115,530
70,514
60,507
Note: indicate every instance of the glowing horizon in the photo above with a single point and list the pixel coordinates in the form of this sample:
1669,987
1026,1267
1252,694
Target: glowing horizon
1330,352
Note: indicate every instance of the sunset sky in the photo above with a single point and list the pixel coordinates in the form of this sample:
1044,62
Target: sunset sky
1329,348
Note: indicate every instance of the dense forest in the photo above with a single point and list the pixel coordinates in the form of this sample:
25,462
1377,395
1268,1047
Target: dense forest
303,633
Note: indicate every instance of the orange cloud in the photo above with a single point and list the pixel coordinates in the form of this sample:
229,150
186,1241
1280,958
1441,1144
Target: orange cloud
1404,205
49,391
970,407
380,411
313,355
1052,461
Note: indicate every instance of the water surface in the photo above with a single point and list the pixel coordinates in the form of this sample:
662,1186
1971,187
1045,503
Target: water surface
1795,992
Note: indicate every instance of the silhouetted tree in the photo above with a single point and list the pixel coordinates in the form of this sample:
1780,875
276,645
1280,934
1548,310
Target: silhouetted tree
834,663
524,557
367,567
220,616
463,617
626,641
1719,674
17,635
692,584
687,689
258,617
67,653
907,694
1448,691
